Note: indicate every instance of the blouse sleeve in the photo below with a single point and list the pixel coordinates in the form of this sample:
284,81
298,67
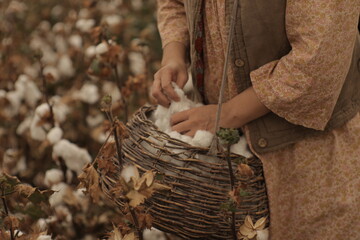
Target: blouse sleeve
304,85
172,22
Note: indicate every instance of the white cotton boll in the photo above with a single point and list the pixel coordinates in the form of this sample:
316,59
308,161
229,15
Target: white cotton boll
65,66
58,27
111,89
90,52
24,126
154,234
37,132
54,135
52,71
44,237
42,109
101,48
41,225
53,176
137,63
32,71
44,26
241,148
20,84
85,25
174,134
93,121
75,41
61,210
15,99
113,20
57,198
89,93
128,172
2,93
75,157
49,56
36,43
57,11
84,13
262,234
28,89
137,4
60,109
202,139
60,44
185,138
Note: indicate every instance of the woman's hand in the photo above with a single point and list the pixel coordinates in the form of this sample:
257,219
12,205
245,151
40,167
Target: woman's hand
162,89
174,69
235,113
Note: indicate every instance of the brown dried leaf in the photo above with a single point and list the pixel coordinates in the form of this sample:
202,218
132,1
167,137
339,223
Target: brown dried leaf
24,189
135,198
245,170
121,129
11,222
90,180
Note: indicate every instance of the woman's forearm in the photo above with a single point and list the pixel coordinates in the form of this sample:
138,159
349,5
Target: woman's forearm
174,52
242,109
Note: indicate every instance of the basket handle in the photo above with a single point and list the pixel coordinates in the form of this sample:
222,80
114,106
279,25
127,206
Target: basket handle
214,147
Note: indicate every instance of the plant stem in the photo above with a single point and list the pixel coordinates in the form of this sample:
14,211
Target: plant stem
117,138
232,184
7,213
52,119
136,223
120,84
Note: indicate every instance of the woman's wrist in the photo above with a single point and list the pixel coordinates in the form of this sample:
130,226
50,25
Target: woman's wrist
242,109
174,53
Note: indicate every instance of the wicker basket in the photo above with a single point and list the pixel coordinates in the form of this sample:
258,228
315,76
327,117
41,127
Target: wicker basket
200,183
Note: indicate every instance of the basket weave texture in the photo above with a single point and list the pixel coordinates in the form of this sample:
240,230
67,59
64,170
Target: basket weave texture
199,183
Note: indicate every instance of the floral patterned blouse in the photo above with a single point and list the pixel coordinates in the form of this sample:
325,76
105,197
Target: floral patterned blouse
314,184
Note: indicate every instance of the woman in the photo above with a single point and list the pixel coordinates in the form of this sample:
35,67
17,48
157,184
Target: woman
294,88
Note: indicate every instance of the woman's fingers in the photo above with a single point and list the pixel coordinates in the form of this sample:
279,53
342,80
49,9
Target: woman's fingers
166,80
179,117
158,94
182,127
182,78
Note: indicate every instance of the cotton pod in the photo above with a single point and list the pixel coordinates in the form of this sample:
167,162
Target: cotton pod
37,127
41,225
202,139
75,41
154,234
90,52
53,176
85,25
89,93
54,135
262,234
137,63
112,20
65,66
57,198
101,48
28,89
128,172
75,157
52,71
241,148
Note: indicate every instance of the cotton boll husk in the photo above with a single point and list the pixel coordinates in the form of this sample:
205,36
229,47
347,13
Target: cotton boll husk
90,52
202,139
65,66
54,135
241,148
75,41
153,234
75,157
128,172
53,176
137,63
102,48
53,71
262,234
89,93
57,198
